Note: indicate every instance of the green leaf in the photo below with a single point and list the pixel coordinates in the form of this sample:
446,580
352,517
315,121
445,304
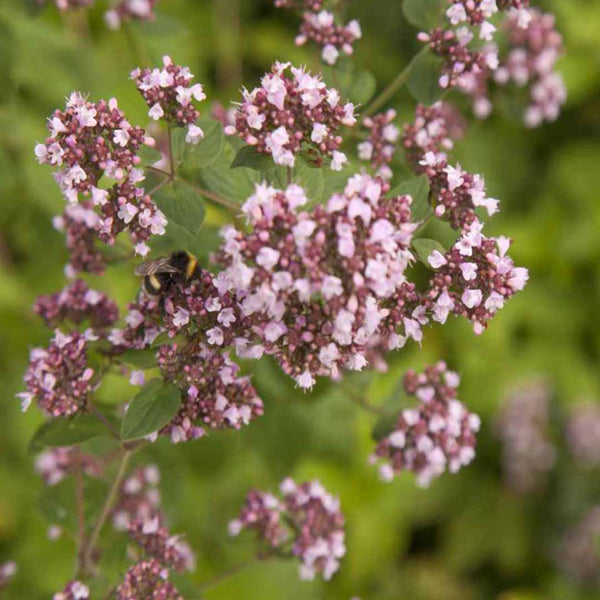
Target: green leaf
423,14
66,432
247,156
151,409
423,79
384,426
418,189
234,184
354,84
148,155
363,86
311,180
181,205
424,247
143,359
208,149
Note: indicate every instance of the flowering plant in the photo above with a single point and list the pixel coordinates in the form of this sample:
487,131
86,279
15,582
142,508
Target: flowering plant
324,267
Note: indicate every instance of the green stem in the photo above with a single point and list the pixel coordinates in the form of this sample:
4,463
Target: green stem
171,157
106,508
80,507
389,91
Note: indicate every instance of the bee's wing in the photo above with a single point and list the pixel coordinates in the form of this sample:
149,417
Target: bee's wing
158,265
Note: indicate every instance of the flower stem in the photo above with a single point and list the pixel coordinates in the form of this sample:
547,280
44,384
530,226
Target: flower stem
80,506
88,549
389,91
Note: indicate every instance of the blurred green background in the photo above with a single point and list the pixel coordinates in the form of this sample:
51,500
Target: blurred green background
467,537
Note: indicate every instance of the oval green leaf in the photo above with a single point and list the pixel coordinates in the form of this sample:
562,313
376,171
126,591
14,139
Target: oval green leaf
424,78
153,407
181,205
66,432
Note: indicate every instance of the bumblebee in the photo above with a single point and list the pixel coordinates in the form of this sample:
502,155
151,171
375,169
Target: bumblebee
161,273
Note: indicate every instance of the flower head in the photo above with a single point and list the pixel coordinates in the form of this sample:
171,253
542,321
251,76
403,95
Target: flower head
437,435
306,519
292,109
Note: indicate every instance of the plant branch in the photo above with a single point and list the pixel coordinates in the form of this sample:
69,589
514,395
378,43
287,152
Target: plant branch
106,508
389,91
171,157
80,507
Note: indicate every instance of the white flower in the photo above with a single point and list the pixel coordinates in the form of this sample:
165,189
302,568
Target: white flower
330,54
194,134
338,160
436,259
156,112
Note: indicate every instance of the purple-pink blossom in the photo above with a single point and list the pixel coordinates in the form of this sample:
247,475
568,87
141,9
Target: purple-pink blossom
437,435
306,521
147,579
59,377
381,144
170,94
292,109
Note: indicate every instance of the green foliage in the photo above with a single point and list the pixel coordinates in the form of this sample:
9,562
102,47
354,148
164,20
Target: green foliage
465,537
67,432
354,83
424,76
182,206
424,247
142,359
418,189
152,408
423,14
247,156
207,150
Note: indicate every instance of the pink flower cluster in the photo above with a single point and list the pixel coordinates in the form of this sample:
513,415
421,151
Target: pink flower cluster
474,279
464,65
169,93
333,39
74,590
437,435
289,112
583,434
138,511
577,554
433,131
7,572
88,141
324,284
130,10
214,395
379,148
156,542
55,464
457,193
532,55
147,579
77,303
523,424
139,498
58,378
79,223
307,522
